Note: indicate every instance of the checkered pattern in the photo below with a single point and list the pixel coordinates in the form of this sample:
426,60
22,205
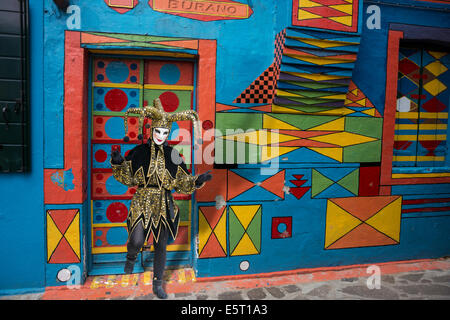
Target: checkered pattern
279,45
262,89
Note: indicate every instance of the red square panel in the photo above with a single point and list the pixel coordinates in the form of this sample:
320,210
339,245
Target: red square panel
281,227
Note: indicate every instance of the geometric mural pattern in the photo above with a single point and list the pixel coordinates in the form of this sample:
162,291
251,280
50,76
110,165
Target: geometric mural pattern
357,102
334,182
212,228
249,185
423,206
422,108
245,229
339,15
363,222
143,41
298,191
63,236
281,227
262,89
316,69
325,138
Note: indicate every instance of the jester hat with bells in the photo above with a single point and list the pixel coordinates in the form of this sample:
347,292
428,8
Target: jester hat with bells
161,119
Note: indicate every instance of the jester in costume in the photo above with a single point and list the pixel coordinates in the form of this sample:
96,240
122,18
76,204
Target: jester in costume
155,169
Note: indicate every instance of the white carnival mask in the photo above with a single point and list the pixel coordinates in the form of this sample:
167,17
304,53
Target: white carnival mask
160,135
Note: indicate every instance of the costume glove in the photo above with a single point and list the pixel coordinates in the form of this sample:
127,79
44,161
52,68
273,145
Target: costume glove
203,178
116,157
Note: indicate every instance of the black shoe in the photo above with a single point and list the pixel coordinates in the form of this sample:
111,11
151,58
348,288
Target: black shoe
158,289
129,266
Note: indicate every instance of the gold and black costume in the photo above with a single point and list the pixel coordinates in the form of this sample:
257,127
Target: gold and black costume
155,171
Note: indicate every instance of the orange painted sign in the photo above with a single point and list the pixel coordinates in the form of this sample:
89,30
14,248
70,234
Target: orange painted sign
204,10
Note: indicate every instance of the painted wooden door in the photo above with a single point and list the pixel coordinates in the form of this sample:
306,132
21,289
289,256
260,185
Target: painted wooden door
422,108
119,84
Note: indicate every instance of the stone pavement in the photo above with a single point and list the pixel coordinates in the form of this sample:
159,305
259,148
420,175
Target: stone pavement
407,280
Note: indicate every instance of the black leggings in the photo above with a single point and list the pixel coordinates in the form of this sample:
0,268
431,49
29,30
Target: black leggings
136,241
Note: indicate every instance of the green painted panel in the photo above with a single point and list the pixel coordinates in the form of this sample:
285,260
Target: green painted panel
184,209
371,127
319,183
244,121
254,230
365,152
302,121
236,230
351,182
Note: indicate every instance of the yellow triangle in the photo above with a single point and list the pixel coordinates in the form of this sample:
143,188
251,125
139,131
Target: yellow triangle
338,223
273,123
370,112
286,94
346,20
361,102
348,111
305,15
308,4
387,220
316,76
204,231
53,236
245,214
333,153
354,91
437,54
72,234
347,8
279,109
349,1
333,112
335,125
317,60
268,152
343,139
244,247
324,43
221,231
335,96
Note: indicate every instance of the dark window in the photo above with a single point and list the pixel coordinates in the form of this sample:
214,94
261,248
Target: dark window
14,82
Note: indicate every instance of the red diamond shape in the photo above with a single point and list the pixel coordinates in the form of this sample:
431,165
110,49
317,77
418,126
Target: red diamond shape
434,105
406,66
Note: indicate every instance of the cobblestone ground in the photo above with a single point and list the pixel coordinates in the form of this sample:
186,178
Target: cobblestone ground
419,285
412,285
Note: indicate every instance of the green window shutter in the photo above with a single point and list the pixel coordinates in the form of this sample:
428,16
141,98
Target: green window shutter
14,87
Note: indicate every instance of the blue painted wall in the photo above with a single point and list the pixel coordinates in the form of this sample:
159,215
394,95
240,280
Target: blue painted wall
22,233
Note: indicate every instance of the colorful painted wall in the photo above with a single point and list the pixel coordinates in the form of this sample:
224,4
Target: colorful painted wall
329,147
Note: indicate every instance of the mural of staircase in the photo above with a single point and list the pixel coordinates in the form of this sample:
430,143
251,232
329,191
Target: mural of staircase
315,71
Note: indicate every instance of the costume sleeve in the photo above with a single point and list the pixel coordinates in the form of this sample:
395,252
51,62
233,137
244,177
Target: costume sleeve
123,173
184,182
